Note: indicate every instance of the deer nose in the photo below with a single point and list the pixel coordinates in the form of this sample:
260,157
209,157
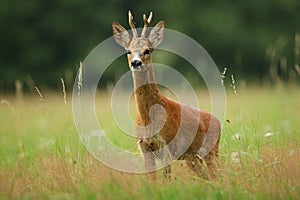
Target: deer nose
136,63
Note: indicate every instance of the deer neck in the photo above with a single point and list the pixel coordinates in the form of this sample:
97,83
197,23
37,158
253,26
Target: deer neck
146,92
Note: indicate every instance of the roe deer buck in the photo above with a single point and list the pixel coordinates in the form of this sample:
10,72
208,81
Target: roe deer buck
188,133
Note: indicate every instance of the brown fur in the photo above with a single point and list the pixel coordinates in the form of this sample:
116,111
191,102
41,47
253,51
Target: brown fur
199,128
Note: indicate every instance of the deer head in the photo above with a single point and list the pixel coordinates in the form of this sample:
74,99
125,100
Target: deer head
139,49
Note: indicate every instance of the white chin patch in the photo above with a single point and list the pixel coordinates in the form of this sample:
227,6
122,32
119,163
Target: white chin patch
136,69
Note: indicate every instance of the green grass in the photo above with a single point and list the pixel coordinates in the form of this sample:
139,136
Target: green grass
41,156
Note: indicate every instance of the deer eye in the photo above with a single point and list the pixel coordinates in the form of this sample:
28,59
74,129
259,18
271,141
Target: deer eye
128,52
146,52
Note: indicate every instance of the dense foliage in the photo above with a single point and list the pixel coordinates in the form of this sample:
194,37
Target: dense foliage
42,41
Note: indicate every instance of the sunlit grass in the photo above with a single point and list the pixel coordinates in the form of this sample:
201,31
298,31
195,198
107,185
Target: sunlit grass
41,156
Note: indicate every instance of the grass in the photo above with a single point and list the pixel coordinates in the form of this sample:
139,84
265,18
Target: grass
41,156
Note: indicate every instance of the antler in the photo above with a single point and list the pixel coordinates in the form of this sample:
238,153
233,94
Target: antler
131,24
146,24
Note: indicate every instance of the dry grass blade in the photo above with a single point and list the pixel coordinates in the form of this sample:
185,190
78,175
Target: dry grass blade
233,84
19,89
65,96
64,90
79,82
42,99
223,75
297,69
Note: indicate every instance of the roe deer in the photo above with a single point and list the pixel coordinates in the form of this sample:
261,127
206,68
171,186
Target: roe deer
162,124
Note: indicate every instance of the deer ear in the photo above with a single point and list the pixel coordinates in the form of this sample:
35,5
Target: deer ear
157,34
121,35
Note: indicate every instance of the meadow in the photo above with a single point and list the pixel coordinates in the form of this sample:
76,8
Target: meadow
41,156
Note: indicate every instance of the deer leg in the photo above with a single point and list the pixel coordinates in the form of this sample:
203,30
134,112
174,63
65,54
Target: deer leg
197,165
149,158
209,151
167,159
167,172
206,167
149,161
211,160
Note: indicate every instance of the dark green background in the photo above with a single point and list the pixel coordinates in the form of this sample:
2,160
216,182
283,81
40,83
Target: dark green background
44,40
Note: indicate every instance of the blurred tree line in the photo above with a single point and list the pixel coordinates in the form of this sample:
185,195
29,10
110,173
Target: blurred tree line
44,40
